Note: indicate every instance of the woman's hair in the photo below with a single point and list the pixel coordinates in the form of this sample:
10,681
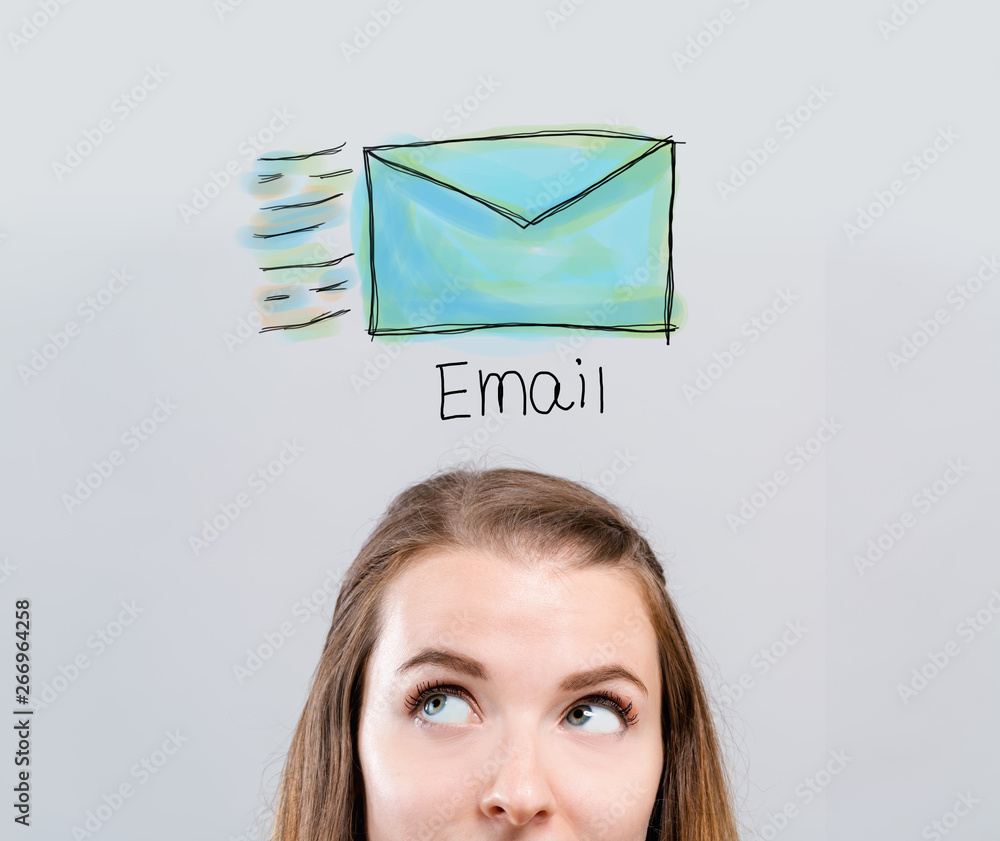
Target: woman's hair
511,514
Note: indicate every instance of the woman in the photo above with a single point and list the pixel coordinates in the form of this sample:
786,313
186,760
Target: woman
504,662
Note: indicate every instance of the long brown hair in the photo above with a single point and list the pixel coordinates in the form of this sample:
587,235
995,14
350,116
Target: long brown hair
510,513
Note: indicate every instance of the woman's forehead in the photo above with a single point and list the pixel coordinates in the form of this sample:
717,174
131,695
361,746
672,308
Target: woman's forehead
475,602
493,583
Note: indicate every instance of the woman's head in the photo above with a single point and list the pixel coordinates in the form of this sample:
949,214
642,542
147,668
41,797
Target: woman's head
504,662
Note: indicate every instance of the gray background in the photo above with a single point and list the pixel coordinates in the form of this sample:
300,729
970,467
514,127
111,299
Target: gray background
692,461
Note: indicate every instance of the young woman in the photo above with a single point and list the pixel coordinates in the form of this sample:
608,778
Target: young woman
505,663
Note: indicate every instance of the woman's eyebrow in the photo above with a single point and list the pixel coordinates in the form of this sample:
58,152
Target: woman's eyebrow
576,682
579,681
449,659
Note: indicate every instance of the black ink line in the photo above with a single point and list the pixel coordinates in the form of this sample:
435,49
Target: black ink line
333,174
445,393
545,133
276,297
332,151
309,323
330,287
373,315
668,307
468,328
308,265
286,233
302,204
274,176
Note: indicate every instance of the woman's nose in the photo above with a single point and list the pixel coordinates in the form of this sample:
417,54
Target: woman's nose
517,788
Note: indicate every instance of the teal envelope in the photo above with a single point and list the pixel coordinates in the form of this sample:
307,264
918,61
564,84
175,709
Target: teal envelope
522,232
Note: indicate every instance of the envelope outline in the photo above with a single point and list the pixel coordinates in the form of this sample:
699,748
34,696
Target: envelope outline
523,221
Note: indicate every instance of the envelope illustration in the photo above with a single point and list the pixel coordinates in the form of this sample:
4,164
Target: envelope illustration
533,232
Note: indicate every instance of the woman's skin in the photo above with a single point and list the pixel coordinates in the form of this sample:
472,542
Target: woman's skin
525,757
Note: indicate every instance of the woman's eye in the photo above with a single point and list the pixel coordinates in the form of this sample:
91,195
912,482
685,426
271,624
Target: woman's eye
593,719
446,709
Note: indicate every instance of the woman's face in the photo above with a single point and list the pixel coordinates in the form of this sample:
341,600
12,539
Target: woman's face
505,703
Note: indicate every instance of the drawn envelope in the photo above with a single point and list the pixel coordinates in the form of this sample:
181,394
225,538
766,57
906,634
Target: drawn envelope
531,231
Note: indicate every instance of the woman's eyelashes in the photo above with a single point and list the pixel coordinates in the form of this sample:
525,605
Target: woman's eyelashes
606,709
441,704
602,712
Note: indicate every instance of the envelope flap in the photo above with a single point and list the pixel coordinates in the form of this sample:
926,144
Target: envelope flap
525,177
